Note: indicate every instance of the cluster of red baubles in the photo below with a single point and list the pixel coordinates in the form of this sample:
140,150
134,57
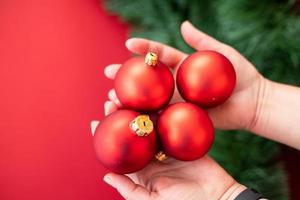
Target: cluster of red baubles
128,139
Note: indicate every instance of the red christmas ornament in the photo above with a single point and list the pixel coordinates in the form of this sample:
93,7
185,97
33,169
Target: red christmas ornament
125,141
144,84
206,78
185,131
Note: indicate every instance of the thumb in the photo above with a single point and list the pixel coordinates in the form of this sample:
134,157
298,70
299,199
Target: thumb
126,187
199,40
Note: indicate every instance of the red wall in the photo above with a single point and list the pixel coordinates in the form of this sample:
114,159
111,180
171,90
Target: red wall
52,55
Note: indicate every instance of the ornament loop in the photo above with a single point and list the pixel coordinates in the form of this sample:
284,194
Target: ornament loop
160,156
151,59
142,125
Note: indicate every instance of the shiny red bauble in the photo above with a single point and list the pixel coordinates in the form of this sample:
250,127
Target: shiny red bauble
185,131
118,146
206,78
144,87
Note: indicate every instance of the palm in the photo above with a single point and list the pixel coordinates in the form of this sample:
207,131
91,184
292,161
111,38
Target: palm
240,107
239,110
184,180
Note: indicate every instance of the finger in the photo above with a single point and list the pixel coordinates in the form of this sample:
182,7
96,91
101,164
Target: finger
111,70
109,107
94,125
197,39
168,55
126,187
112,95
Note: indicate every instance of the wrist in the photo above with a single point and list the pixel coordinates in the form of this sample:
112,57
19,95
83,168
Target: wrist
277,111
232,192
264,88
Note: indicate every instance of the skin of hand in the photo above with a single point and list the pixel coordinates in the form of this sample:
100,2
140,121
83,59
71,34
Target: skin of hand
176,180
278,113
203,178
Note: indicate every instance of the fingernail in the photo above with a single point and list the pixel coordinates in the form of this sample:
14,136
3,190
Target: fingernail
129,42
107,179
112,94
184,25
106,71
106,105
118,102
94,125
187,22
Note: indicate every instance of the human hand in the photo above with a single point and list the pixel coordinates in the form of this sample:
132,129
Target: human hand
239,111
173,179
204,178
177,180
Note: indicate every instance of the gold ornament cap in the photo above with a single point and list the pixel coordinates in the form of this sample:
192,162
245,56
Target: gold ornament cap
151,59
142,125
161,156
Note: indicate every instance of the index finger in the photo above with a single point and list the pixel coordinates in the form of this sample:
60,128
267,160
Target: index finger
166,54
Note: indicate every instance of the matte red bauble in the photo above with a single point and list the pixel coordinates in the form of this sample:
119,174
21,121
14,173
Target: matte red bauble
206,78
185,131
125,141
144,84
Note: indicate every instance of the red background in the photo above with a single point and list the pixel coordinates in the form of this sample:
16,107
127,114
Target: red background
52,55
